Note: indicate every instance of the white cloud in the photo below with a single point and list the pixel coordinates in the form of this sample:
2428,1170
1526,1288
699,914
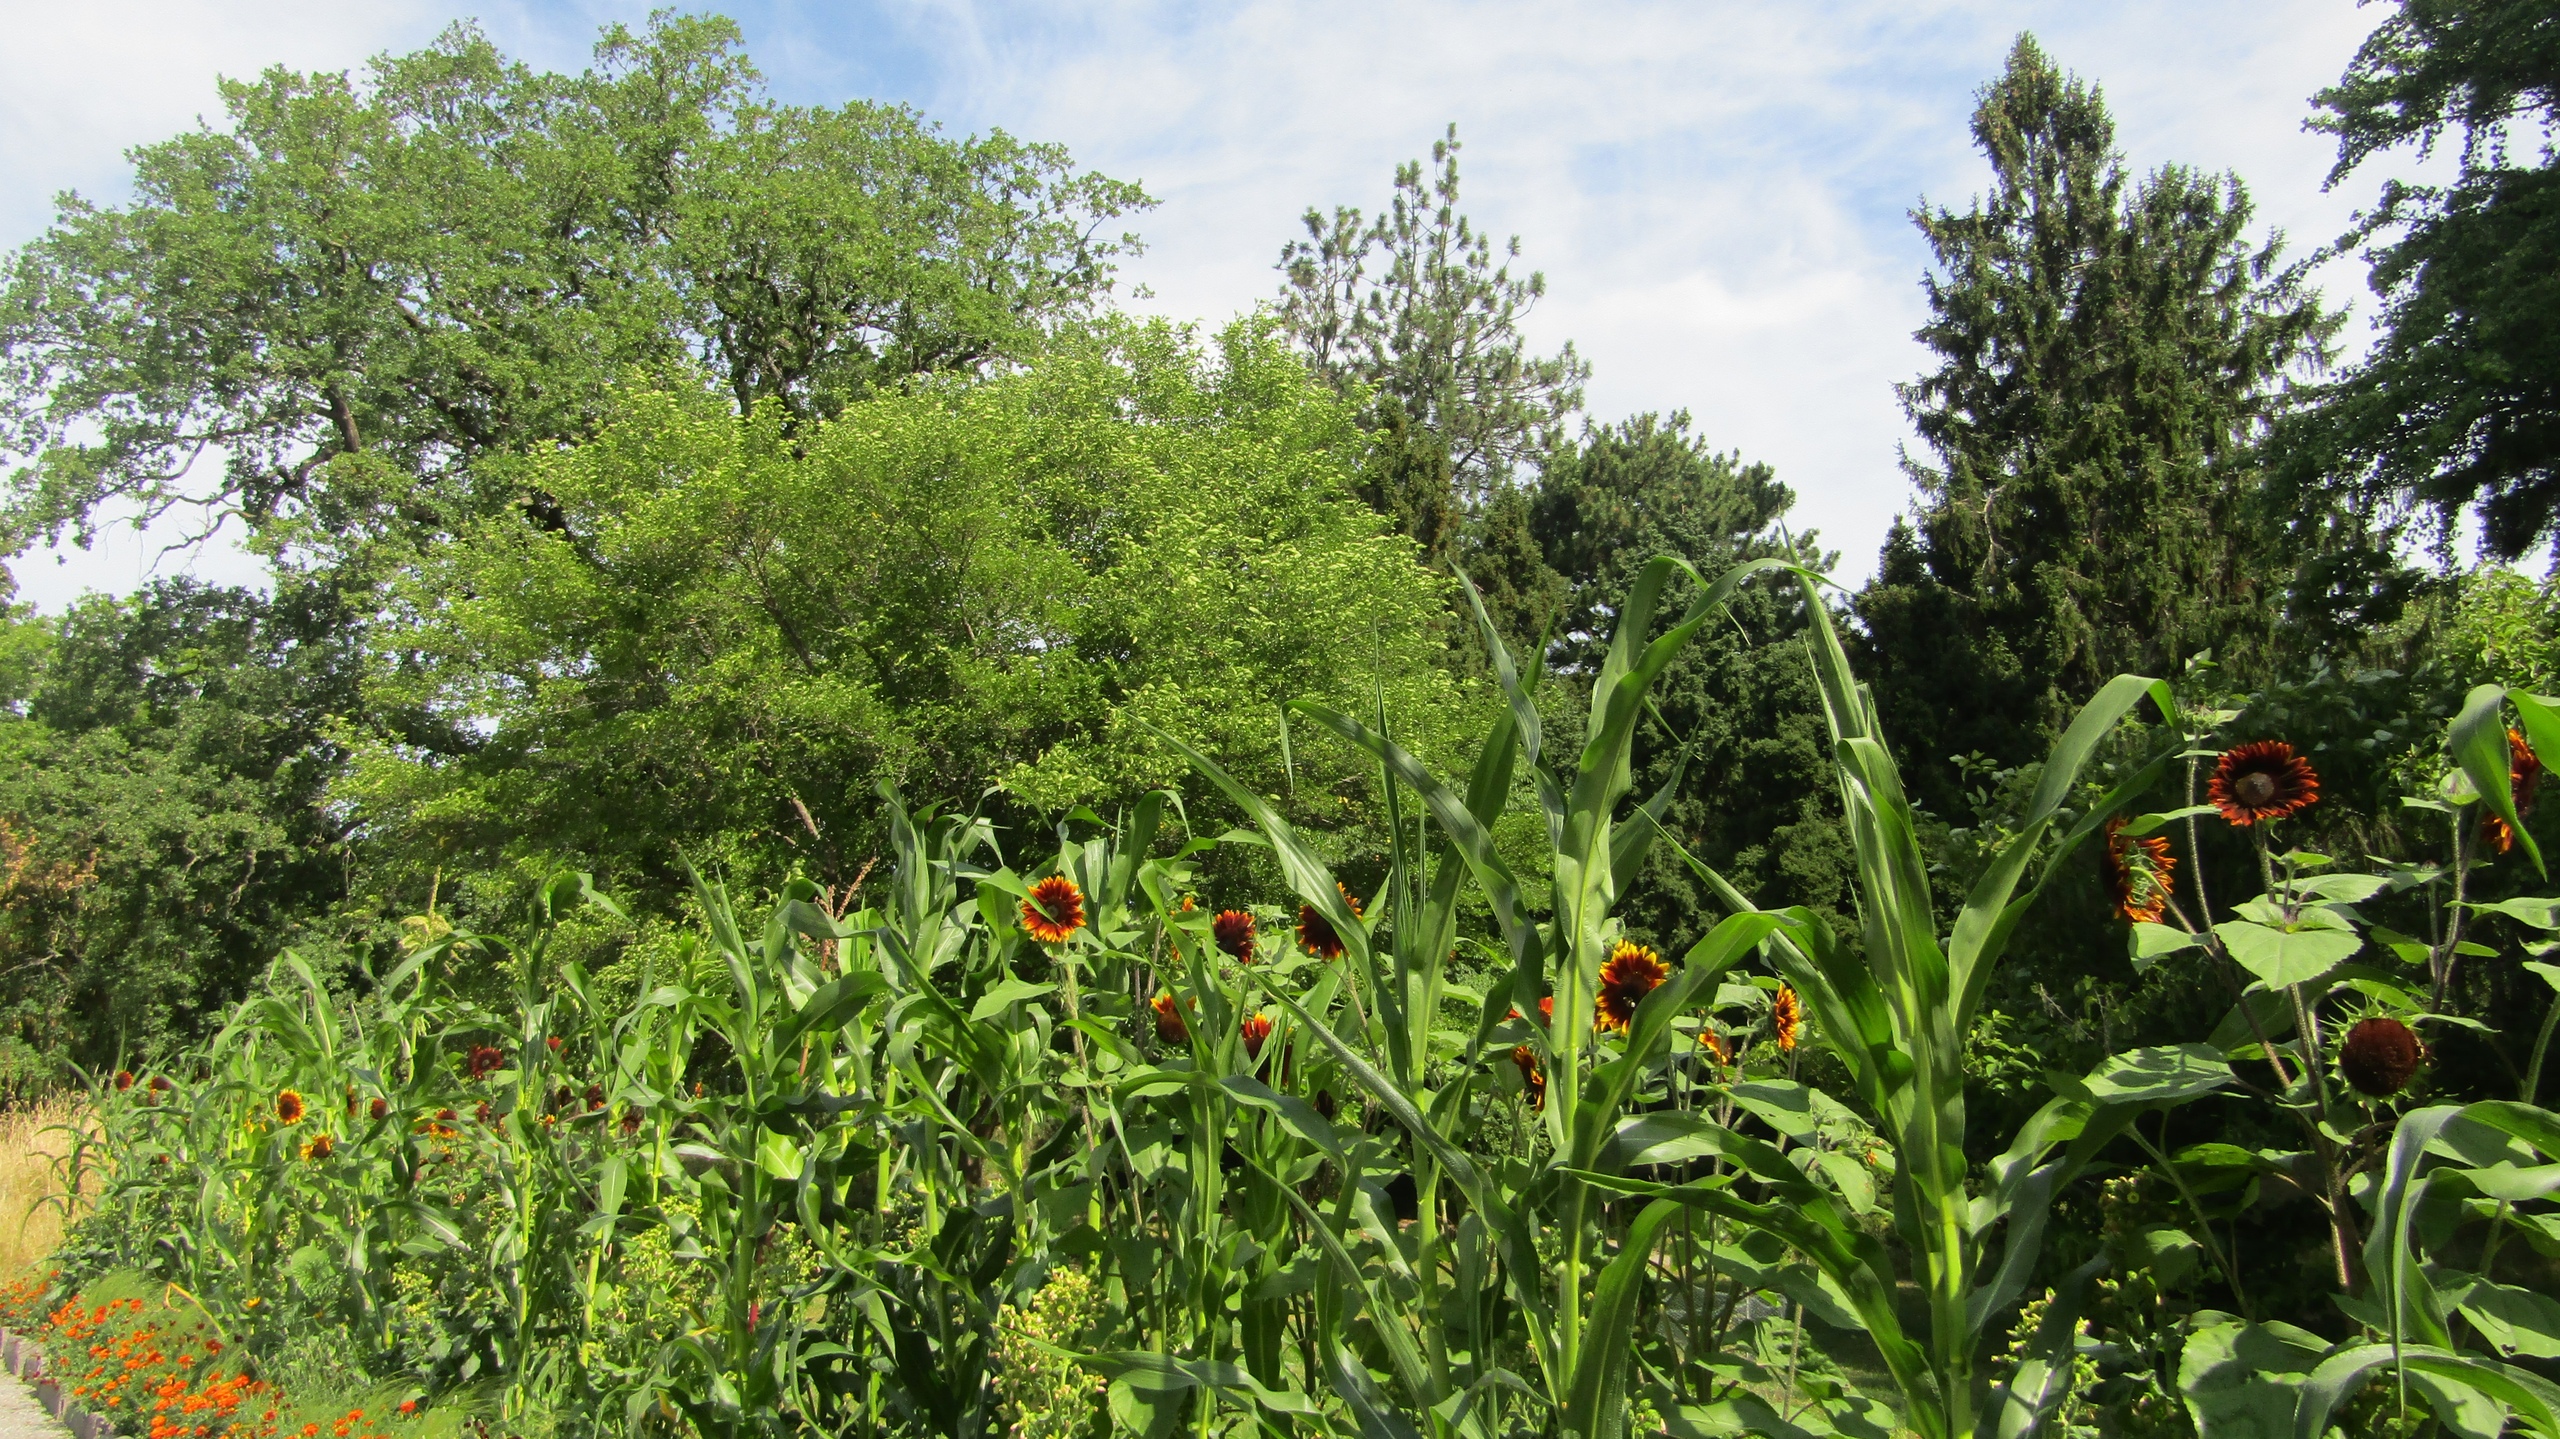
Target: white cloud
1716,191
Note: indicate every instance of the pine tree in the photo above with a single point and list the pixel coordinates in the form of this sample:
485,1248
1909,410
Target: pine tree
2459,402
2109,352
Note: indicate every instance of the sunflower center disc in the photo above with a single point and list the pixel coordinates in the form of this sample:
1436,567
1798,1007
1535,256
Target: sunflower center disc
2256,789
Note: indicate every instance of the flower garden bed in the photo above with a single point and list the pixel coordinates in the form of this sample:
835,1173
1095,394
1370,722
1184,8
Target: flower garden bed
131,1357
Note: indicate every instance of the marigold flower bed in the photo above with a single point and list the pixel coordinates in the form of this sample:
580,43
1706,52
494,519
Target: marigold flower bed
161,1369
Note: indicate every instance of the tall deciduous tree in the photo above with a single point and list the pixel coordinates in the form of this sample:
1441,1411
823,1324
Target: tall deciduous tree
2459,403
2108,350
351,293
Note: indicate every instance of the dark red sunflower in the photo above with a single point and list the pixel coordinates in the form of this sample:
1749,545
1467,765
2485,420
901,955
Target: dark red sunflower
1233,932
1170,1026
1546,1010
2259,782
485,1058
630,1120
2138,871
2524,781
1713,1043
319,1146
1315,932
2379,1055
1533,1076
1054,911
289,1106
1256,1029
595,1097
1786,1018
124,1080
378,1108
1632,972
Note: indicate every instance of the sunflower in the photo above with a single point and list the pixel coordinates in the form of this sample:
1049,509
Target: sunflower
1786,1017
485,1058
289,1106
2138,869
1546,1011
1233,932
319,1146
2262,781
378,1108
1169,1023
630,1120
1632,972
2524,779
1533,1077
1256,1029
2379,1056
124,1080
1315,931
1713,1043
1054,911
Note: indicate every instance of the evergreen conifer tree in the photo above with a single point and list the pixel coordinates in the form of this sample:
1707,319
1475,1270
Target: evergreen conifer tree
2108,351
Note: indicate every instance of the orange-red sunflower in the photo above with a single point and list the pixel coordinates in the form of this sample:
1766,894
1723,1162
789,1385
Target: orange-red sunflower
1632,972
2259,782
1255,1029
1533,1076
1169,1022
289,1106
1546,1010
2138,869
1713,1043
1315,932
1233,931
378,1108
319,1146
124,1080
2524,781
1054,911
1786,1017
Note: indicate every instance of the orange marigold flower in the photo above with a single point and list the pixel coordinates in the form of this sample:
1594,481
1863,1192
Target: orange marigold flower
1315,931
1533,1075
1054,911
1632,972
2379,1056
2524,781
319,1146
1233,931
1786,1017
1170,1026
2138,871
2259,782
289,1106
1256,1029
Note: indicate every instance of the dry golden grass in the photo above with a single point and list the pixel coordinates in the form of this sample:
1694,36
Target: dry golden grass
30,1227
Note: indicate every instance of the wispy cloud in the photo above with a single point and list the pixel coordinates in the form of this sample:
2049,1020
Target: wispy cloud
1716,192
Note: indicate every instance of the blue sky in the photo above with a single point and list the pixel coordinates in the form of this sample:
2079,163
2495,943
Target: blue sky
1717,192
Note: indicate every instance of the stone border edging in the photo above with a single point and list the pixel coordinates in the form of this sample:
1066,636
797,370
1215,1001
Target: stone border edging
25,1358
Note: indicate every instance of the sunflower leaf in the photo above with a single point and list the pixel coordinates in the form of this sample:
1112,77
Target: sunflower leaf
2317,942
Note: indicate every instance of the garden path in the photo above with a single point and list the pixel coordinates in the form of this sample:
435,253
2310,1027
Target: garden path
21,1417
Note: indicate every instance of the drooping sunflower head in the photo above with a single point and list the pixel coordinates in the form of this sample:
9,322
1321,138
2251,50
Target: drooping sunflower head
2138,871
1631,972
1316,934
1533,1075
289,1106
2524,781
1786,1018
319,1146
2379,1056
1170,1026
2259,782
1233,932
1255,1029
1054,911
